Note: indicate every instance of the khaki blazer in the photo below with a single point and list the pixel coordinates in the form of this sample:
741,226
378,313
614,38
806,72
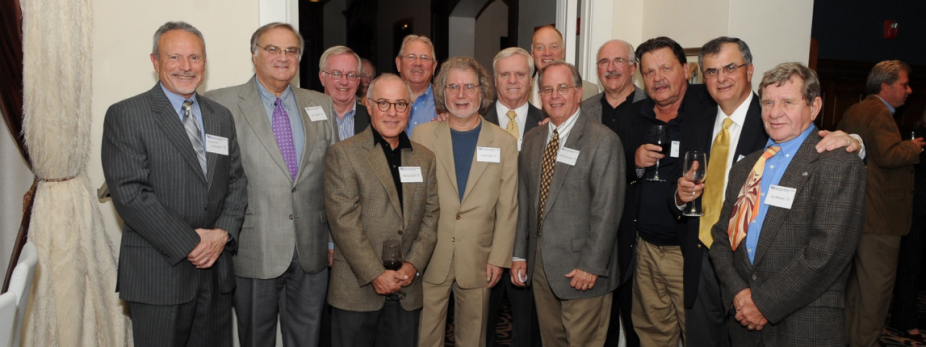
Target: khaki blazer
363,210
281,213
891,161
479,229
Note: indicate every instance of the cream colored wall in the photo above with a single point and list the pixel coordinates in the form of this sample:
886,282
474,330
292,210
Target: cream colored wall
490,27
776,31
122,40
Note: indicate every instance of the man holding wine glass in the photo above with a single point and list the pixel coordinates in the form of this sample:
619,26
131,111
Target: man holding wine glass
380,188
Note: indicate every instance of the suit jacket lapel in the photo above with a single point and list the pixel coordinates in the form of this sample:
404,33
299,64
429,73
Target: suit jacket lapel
256,115
794,177
559,174
361,120
173,129
443,148
408,190
492,113
211,126
752,137
310,129
380,168
486,138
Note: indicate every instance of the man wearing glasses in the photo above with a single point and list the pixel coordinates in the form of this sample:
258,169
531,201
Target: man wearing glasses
340,73
416,65
283,256
478,189
380,186
367,74
570,200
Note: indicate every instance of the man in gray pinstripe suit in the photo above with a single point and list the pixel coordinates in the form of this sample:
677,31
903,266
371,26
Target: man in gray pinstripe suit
171,159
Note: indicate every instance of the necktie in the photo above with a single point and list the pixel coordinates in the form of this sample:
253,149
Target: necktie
712,201
284,135
512,127
546,174
192,131
747,203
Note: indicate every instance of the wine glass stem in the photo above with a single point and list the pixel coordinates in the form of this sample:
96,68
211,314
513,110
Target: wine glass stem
656,176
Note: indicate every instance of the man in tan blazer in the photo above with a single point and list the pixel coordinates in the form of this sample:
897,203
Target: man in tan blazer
889,199
281,267
478,188
380,186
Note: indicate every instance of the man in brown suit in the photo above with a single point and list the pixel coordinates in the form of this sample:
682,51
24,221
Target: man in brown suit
889,199
380,186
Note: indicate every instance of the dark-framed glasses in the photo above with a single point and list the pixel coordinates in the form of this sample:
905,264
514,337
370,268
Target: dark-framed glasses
274,50
383,105
562,89
468,88
336,75
729,69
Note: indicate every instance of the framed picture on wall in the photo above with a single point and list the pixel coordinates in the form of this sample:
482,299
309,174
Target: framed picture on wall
694,69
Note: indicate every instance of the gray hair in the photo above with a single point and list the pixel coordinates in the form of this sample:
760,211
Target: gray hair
385,76
714,46
362,60
267,27
338,50
784,72
176,26
422,38
486,88
887,71
576,77
632,57
510,51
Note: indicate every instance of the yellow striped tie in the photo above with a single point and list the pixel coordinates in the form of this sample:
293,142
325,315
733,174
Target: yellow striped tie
712,201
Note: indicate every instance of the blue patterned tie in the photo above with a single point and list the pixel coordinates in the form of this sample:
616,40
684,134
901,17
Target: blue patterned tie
284,135
192,131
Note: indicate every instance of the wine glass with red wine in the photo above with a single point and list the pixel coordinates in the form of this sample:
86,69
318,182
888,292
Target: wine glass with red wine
392,260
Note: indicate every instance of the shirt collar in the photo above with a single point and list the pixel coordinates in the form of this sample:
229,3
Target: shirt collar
269,97
566,127
176,101
502,110
889,107
791,146
739,115
404,142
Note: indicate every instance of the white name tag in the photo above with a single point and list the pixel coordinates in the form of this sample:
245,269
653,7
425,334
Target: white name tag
216,144
740,157
489,154
410,174
674,152
567,156
779,196
316,113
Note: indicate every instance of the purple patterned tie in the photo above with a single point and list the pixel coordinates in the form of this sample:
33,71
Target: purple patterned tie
284,135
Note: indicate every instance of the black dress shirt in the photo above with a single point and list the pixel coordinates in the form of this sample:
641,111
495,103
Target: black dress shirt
394,158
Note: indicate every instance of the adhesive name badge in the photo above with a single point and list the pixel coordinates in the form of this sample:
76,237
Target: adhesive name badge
410,174
674,152
740,157
567,156
489,154
216,144
316,113
779,196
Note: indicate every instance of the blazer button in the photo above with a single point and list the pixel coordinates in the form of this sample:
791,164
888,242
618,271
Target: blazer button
294,190
400,232
754,277
290,217
458,217
453,239
205,208
699,246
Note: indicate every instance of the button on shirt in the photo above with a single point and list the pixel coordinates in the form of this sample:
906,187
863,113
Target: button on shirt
292,110
346,124
521,118
423,110
774,168
176,101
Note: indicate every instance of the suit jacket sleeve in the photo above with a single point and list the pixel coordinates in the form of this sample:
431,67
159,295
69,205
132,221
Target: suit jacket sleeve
125,165
342,205
506,209
524,206
838,218
607,187
721,252
887,148
236,200
420,253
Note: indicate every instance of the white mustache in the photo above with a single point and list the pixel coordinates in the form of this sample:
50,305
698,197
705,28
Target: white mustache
613,74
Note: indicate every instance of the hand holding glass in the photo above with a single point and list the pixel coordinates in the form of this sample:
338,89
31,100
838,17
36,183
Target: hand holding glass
392,260
658,136
695,170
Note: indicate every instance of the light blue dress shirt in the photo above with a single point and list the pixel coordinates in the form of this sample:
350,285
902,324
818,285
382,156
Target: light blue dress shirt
176,101
774,168
423,111
889,107
346,124
292,110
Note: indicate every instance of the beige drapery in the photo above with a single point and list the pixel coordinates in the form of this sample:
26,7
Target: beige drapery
73,298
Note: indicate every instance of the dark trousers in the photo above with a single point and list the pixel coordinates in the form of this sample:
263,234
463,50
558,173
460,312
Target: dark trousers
620,317
525,330
706,319
296,296
204,321
391,326
904,311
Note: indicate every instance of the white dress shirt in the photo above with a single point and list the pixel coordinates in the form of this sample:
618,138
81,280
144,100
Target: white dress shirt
520,119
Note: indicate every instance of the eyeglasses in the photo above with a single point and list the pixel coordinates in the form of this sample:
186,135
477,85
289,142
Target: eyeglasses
383,105
366,77
562,90
468,88
424,57
274,50
618,61
336,75
729,69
